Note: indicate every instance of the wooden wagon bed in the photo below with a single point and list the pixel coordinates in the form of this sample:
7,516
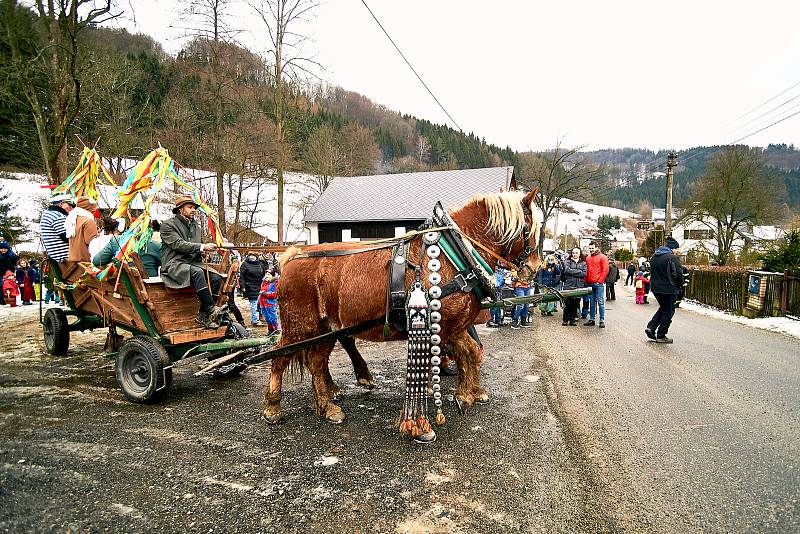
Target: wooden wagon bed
142,305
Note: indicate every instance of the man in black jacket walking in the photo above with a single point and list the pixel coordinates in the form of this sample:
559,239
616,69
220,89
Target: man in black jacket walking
666,280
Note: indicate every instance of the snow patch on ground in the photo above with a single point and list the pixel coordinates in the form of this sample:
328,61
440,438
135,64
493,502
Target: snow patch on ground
783,325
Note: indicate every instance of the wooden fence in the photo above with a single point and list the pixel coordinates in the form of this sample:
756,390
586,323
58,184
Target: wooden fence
725,290
790,293
728,290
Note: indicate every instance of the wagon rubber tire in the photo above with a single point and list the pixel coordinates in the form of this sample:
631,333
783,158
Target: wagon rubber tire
56,332
140,372
237,331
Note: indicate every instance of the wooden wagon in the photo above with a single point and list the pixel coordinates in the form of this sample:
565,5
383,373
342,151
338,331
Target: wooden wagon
162,322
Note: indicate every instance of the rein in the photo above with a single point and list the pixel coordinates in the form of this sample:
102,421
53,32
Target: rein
386,243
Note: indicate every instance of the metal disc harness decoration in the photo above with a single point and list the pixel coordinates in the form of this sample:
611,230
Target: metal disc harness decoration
424,345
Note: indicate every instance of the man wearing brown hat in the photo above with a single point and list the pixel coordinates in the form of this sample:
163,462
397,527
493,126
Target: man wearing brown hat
80,229
182,262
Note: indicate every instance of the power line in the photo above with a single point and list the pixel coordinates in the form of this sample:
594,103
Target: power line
765,127
764,103
411,67
751,121
698,151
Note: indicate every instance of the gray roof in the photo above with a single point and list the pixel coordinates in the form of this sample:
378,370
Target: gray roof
406,196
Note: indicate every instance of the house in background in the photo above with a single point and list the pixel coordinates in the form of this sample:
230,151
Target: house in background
618,238
698,234
388,205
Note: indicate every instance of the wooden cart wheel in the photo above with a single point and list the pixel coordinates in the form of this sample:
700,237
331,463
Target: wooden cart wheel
56,332
140,370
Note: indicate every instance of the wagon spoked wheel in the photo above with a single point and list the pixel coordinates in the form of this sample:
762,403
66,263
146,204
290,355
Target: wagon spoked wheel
140,370
56,332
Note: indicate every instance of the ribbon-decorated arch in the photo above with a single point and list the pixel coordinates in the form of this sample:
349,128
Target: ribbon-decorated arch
148,178
82,181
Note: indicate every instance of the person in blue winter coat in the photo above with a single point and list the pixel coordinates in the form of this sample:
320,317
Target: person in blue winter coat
502,282
548,275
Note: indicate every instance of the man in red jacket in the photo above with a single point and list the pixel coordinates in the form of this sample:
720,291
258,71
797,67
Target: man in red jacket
596,272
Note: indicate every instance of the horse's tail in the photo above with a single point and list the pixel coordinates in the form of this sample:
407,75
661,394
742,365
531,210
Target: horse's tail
287,255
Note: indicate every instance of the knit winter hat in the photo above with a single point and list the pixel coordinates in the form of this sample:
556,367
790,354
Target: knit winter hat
671,243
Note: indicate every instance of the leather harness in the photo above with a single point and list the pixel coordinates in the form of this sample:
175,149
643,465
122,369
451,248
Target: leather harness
473,274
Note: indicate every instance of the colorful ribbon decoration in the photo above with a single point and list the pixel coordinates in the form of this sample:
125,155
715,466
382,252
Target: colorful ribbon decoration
149,175
82,181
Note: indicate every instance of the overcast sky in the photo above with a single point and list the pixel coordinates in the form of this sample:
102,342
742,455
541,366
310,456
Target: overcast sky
623,73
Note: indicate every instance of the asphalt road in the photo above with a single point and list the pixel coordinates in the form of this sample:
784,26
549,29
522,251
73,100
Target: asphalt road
587,431
701,435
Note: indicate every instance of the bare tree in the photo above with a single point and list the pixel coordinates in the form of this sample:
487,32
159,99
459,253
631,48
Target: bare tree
736,192
558,174
361,152
50,79
323,157
208,22
422,150
281,18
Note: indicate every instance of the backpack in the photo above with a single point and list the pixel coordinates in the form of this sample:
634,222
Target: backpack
639,284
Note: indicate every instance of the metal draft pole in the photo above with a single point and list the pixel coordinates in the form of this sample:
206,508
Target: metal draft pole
668,212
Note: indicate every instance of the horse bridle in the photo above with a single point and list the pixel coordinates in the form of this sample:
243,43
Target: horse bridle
527,249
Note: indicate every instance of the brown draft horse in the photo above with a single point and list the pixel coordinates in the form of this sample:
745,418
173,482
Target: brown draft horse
323,294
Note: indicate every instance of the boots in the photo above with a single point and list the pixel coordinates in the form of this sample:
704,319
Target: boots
206,317
208,312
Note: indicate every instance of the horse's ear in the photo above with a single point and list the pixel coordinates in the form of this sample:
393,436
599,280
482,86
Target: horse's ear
530,197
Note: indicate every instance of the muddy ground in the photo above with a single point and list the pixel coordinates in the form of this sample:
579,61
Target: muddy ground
75,455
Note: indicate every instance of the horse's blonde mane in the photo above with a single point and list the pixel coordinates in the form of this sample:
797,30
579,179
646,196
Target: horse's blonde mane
506,217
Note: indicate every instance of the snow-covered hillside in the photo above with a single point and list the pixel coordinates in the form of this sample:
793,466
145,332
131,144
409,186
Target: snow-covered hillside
586,217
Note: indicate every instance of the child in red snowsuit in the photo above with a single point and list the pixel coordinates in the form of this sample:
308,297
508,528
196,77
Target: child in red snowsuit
268,302
10,288
639,283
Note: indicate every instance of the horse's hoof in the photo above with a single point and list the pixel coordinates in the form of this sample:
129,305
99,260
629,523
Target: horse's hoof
483,398
365,383
336,416
273,419
334,392
427,437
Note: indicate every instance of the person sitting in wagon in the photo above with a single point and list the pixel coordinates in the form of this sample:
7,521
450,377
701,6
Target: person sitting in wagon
182,262
150,255
51,227
80,228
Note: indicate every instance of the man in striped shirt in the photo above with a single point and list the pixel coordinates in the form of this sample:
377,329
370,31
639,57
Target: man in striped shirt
51,227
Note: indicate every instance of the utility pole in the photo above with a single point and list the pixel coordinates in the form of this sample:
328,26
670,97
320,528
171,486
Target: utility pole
668,212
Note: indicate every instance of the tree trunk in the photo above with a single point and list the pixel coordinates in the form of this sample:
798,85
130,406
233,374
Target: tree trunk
279,168
221,199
